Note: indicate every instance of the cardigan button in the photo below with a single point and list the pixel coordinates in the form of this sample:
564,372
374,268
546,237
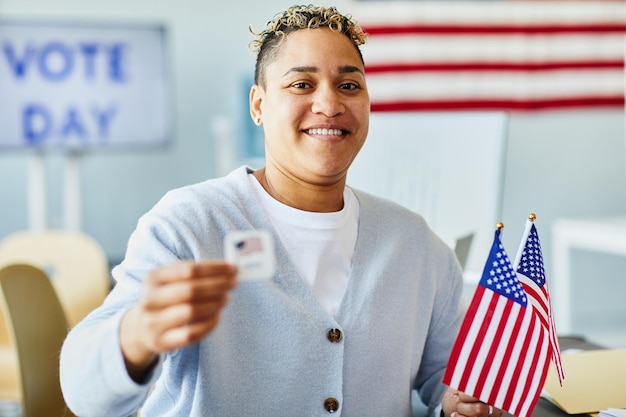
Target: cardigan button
334,335
331,404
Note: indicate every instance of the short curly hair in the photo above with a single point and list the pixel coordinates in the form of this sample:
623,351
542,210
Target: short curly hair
295,18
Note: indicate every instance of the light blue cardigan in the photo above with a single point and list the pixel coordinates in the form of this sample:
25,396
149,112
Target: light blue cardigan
270,355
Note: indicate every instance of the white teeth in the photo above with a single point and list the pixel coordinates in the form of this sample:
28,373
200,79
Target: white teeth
324,132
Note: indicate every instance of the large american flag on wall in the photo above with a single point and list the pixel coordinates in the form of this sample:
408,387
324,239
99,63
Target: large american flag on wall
493,55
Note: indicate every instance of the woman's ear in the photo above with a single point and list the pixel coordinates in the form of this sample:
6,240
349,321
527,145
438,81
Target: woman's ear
256,97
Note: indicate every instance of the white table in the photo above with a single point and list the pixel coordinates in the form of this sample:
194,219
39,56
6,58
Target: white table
603,234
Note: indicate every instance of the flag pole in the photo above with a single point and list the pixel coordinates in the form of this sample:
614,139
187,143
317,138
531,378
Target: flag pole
529,222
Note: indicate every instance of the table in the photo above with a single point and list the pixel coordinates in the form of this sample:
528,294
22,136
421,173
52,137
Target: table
603,234
545,408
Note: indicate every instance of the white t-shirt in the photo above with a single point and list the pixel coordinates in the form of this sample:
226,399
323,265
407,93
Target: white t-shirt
320,244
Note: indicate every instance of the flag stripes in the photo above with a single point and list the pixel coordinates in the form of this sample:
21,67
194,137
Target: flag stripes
539,298
530,373
492,66
556,349
495,367
495,104
526,28
493,56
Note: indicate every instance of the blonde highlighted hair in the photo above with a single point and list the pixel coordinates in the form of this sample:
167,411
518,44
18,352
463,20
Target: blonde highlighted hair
295,18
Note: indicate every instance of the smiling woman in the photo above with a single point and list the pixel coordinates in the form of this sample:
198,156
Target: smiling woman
348,265
314,109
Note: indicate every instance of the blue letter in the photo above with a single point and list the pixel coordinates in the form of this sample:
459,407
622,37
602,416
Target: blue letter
66,57
89,50
116,59
103,119
36,123
73,124
18,65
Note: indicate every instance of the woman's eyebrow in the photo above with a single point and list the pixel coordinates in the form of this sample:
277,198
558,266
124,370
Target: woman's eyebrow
301,69
348,69
344,69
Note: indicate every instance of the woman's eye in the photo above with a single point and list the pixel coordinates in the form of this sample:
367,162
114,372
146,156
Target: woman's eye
348,86
301,85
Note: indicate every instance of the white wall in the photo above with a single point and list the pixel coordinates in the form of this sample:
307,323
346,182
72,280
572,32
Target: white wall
569,163
572,164
210,62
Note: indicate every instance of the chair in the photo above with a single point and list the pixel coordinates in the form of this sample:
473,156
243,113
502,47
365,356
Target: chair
75,262
37,327
9,379
79,272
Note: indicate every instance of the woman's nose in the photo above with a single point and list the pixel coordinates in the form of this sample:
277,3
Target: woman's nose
328,101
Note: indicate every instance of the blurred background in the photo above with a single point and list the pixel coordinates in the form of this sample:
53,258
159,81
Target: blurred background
558,159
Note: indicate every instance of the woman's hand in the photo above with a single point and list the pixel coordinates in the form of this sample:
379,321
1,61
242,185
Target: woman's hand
179,305
459,404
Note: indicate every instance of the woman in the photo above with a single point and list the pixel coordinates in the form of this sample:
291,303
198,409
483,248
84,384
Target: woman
365,302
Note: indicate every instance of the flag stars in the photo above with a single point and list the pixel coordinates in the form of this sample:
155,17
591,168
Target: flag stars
500,276
531,264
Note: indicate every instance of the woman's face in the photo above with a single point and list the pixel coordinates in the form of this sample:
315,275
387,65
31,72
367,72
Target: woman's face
315,107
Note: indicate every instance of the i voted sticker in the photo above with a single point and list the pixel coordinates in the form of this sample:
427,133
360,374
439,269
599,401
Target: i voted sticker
253,253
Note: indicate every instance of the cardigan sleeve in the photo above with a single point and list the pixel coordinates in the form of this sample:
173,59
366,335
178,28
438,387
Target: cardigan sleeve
93,375
447,316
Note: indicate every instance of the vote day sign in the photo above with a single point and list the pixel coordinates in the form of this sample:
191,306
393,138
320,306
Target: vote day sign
83,87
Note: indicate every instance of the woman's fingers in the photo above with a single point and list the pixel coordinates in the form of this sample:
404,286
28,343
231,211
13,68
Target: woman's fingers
187,282
468,406
181,303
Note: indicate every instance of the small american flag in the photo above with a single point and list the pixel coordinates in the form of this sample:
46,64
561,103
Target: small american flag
249,245
502,352
531,273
